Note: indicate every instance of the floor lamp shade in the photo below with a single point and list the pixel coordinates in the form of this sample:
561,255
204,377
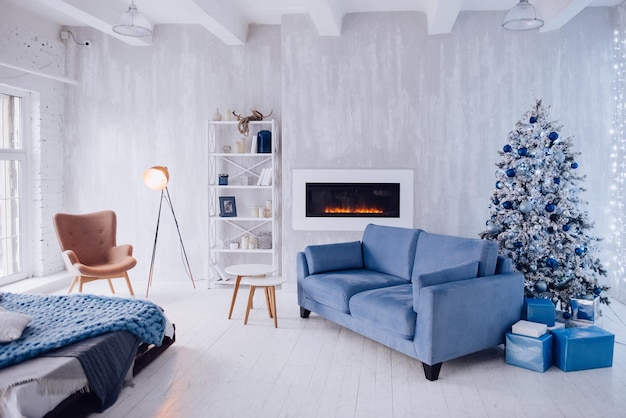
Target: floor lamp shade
156,177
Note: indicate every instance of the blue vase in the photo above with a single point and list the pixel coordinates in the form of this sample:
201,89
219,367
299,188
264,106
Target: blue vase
264,142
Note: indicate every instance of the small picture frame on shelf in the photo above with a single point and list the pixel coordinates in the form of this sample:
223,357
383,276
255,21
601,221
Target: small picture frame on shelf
228,206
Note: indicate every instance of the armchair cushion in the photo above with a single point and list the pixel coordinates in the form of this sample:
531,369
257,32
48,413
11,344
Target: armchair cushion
331,257
467,270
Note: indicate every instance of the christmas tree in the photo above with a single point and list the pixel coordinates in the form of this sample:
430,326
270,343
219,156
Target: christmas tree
537,214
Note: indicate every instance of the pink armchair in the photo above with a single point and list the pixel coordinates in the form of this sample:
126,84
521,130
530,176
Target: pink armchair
90,252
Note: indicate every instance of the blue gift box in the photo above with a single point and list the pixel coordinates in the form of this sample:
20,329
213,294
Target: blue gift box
529,352
583,348
540,310
586,310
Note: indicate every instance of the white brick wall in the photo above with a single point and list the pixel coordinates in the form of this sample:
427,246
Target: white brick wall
24,46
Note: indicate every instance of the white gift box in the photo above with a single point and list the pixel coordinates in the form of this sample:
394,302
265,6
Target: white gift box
530,329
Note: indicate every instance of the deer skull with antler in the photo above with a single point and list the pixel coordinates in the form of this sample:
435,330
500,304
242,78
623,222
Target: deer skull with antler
243,120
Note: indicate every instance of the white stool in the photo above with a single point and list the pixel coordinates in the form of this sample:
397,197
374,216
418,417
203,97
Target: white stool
269,284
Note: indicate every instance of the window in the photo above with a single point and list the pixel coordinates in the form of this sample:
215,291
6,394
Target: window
12,169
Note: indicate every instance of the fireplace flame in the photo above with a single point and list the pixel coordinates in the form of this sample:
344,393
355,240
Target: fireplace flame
332,210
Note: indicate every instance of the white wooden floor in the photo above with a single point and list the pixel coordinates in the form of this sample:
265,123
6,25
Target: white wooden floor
313,368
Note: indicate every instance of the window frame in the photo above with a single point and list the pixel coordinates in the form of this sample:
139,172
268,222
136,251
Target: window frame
25,204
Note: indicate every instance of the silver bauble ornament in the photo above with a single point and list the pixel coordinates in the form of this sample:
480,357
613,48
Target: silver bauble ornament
525,207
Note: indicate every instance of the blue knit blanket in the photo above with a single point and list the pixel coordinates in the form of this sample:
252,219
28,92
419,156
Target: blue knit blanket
61,320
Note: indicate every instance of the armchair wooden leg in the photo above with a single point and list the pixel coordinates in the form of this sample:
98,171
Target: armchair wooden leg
130,288
110,285
74,281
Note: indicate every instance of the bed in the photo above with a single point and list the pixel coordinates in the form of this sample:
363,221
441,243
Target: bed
69,356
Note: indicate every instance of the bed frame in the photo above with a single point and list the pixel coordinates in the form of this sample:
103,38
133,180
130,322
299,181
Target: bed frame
82,404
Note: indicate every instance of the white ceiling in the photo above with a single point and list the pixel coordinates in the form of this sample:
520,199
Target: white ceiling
229,19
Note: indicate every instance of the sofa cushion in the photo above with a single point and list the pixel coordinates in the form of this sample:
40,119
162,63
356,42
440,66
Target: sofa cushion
334,289
437,252
467,270
390,308
389,249
329,257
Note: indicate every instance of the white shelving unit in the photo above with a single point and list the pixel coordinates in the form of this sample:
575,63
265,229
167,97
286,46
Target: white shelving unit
244,170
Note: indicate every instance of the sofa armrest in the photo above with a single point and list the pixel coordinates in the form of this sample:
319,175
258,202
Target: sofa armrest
302,271
462,317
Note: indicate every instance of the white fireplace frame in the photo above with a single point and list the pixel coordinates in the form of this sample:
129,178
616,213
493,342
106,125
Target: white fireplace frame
300,177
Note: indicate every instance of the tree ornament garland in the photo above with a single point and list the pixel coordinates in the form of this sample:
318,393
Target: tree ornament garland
537,216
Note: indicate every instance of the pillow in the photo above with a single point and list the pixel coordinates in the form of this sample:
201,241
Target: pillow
12,325
329,257
467,270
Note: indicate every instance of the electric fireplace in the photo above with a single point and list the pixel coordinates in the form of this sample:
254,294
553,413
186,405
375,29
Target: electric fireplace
347,200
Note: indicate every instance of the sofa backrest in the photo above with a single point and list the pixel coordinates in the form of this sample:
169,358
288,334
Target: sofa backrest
389,249
436,252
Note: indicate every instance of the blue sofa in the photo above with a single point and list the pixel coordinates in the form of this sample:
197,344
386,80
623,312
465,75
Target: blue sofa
432,297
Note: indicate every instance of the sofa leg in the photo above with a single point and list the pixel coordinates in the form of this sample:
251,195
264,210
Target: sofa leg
304,313
432,371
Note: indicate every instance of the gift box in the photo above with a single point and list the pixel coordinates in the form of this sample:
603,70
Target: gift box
583,348
530,329
540,310
529,352
586,310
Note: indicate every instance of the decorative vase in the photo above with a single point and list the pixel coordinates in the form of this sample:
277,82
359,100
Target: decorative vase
217,116
264,142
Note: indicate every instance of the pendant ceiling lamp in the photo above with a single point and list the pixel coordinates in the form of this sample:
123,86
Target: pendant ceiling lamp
133,23
522,17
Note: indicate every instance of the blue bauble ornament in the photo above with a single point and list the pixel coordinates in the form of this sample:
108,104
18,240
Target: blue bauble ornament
499,184
510,172
507,205
518,244
566,227
567,315
557,180
507,148
574,165
496,201
541,286
550,207
553,136
597,290
552,263
579,251
533,119
522,151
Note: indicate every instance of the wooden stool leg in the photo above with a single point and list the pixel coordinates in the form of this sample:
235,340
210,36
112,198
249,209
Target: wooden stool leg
272,290
235,290
250,297
268,302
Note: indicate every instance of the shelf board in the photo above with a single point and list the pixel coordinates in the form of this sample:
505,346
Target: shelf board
228,250
238,186
241,218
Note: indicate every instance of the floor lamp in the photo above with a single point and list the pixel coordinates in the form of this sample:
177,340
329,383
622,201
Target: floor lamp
156,178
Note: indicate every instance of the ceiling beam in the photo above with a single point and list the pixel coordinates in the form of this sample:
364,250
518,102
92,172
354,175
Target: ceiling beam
222,20
95,14
557,13
326,16
441,15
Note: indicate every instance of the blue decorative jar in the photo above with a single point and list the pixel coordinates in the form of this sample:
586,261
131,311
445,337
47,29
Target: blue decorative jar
264,142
